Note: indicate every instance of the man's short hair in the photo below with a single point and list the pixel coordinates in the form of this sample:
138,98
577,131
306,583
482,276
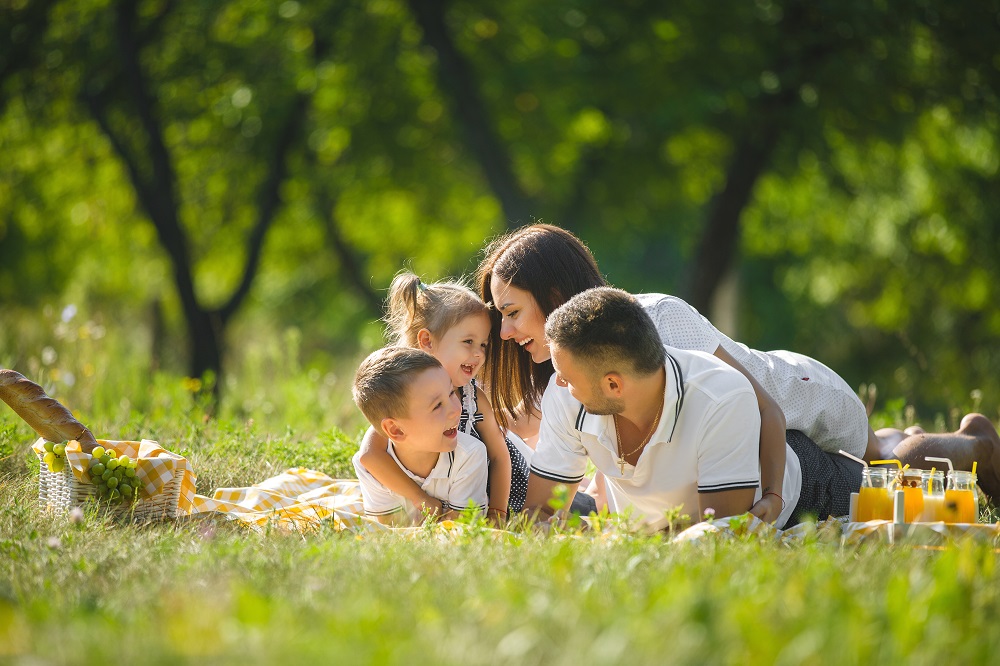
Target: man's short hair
609,329
382,381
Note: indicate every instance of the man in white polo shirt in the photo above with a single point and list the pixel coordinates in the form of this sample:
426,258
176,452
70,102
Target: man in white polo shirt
667,427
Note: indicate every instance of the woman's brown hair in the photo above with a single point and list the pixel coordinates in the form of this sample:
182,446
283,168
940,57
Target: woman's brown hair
552,265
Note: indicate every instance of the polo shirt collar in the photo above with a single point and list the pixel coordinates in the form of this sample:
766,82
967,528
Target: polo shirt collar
603,427
441,470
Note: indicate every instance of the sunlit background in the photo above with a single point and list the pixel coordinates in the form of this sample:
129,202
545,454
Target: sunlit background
223,190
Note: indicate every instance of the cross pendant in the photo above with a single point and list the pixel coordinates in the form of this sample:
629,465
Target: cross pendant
621,464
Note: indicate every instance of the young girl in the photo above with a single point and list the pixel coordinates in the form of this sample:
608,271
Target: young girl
448,320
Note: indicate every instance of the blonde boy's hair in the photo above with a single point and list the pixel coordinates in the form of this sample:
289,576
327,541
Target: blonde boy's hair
413,305
382,380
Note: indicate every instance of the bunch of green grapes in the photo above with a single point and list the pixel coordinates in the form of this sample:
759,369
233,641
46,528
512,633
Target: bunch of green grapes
55,456
114,475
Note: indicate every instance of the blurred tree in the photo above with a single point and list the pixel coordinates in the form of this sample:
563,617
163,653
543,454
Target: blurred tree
292,157
648,129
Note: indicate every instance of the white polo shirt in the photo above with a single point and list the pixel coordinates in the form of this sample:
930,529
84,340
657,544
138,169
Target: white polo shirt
814,398
458,476
707,441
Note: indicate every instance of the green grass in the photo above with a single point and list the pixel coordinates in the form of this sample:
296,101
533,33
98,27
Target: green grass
210,591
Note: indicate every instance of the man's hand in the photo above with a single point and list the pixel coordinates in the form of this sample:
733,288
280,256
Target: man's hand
767,508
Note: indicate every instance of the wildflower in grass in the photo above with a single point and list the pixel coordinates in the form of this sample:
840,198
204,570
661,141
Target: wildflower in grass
676,519
709,515
55,543
76,515
191,384
68,312
206,532
49,356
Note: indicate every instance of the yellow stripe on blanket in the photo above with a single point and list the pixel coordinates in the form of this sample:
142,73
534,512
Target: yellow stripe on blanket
297,499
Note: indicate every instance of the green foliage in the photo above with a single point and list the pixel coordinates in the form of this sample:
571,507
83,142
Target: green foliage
867,242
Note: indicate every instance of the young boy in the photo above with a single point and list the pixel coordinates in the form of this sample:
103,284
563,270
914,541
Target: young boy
408,396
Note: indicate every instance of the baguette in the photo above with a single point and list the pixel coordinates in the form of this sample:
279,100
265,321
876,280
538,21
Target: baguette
45,415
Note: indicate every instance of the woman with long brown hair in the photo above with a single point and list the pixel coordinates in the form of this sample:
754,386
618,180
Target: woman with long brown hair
528,273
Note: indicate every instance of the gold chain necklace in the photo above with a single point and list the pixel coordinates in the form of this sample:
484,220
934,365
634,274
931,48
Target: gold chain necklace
618,437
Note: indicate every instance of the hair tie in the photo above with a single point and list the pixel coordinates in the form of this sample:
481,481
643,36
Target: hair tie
421,286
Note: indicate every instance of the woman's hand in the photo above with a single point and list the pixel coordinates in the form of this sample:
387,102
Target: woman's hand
767,508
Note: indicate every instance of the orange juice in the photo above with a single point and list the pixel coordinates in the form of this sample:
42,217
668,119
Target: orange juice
874,504
960,506
913,503
933,509
911,482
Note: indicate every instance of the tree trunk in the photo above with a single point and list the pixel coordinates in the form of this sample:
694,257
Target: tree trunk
350,267
457,80
721,234
152,173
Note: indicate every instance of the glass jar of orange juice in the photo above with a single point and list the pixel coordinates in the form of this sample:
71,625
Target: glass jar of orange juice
911,482
874,501
933,497
961,501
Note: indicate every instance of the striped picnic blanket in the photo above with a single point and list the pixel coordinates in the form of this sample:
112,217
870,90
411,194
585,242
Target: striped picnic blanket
296,499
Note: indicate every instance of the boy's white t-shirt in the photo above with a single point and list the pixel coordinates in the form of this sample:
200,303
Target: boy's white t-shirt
458,478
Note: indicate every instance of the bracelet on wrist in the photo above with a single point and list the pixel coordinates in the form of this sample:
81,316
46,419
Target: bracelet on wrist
770,492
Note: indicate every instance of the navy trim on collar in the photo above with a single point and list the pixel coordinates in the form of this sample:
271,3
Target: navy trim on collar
679,380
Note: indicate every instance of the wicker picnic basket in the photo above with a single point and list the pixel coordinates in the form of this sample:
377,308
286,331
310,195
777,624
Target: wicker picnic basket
62,491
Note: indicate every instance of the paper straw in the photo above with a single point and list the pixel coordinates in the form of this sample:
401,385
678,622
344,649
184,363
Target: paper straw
855,458
951,467
888,462
974,463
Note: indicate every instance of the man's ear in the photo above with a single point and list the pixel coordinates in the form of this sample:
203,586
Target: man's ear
392,430
612,384
424,339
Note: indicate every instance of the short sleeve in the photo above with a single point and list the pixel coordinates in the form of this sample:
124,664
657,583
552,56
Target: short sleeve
468,478
377,499
559,455
729,452
679,324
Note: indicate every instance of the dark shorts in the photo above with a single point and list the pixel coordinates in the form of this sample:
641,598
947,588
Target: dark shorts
828,479
583,504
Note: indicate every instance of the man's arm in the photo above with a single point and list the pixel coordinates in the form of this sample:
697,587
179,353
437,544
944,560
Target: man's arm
728,465
726,502
540,491
559,458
